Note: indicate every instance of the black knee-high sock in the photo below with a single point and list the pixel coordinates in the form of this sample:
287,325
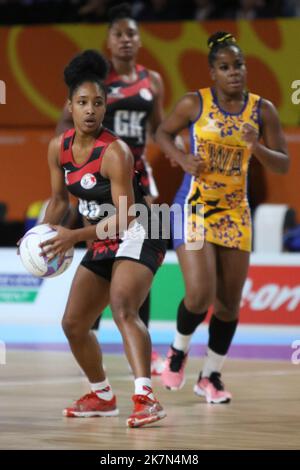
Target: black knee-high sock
187,321
221,334
144,311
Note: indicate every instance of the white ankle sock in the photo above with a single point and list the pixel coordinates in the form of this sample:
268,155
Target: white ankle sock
102,390
182,342
213,362
143,386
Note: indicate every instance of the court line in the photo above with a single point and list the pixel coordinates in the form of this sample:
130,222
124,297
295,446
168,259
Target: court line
129,378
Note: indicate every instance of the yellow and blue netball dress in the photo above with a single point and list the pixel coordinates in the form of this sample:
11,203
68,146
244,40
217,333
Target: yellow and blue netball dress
216,136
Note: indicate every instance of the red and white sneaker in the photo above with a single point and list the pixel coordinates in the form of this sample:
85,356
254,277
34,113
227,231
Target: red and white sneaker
157,363
145,411
212,388
173,374
91,405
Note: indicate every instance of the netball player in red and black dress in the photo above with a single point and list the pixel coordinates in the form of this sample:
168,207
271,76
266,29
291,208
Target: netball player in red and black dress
96,166
134,108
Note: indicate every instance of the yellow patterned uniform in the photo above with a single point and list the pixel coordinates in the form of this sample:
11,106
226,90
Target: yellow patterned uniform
222,187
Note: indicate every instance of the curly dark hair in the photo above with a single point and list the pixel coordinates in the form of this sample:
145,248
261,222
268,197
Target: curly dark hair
89,66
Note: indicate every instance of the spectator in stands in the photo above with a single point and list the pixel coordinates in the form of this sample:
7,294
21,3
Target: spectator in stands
159,10
94,10
204,10
245,10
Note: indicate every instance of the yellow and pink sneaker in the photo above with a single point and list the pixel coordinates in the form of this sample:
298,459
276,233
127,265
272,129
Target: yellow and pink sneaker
173,374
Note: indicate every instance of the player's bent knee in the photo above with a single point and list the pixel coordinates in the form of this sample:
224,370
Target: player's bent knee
228,309
228,312
198,301
124,315
122,310
73,330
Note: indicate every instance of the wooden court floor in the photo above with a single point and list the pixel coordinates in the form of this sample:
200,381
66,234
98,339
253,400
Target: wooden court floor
36,386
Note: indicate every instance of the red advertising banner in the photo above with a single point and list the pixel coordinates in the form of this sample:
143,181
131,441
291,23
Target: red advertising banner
272,295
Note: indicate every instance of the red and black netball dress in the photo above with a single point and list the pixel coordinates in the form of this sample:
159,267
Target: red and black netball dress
129,106
95,203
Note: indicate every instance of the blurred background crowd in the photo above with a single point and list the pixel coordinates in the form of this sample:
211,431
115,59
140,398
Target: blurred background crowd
65,11
272,69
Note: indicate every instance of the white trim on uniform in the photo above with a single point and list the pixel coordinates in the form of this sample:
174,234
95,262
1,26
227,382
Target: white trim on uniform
152,185
132,242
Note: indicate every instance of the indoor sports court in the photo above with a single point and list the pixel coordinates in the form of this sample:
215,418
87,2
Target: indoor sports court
39,375
263,414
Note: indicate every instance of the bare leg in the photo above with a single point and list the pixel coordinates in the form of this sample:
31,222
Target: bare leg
89,294
130,285
199,272
232,272
232,267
